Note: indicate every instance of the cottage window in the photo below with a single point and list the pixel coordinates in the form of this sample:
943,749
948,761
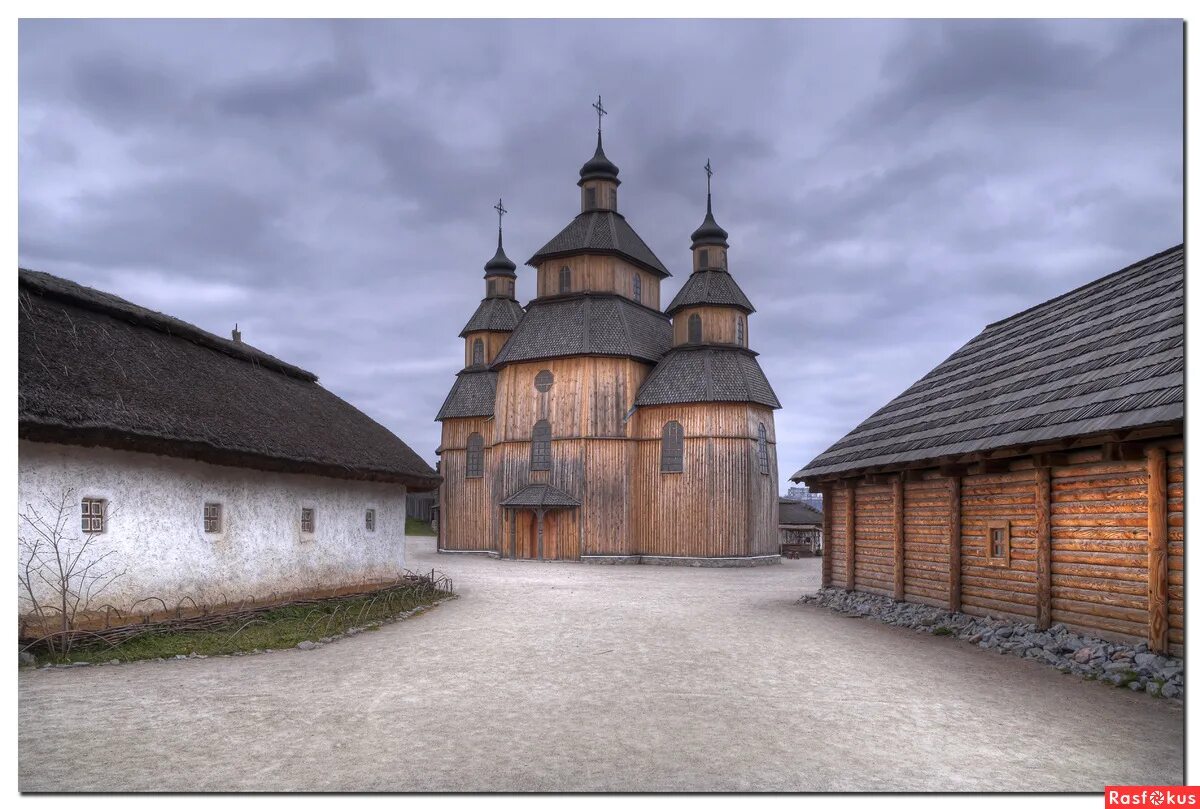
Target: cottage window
672,447
540,451
998,547
94,511
564,279
475,456
308,520
695,332
741,331
637,288
543,381
212,518
370,519
764,458
477,351
704,259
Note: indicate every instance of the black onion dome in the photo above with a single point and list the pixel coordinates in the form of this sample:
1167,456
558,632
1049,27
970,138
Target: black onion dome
709,231
500,264
599,167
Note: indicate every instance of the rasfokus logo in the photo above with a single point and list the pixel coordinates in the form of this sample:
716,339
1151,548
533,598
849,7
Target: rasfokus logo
1151,796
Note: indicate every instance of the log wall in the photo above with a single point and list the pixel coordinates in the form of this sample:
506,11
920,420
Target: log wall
598,273
1083,539
718,324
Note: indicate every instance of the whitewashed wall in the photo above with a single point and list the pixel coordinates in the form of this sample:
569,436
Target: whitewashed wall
156,524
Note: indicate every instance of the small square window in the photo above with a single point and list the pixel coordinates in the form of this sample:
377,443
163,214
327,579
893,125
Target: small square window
308,520
370,519
212,518
998,544
92,513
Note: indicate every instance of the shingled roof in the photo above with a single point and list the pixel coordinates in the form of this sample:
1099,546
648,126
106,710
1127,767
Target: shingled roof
707,374
1106,356
601,231
494,314
605,325
796,512
97,370
473,395
539,495
710,288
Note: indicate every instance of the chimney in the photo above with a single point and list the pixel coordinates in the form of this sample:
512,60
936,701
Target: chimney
237,335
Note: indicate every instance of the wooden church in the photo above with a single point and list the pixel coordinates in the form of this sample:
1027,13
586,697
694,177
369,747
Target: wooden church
593,425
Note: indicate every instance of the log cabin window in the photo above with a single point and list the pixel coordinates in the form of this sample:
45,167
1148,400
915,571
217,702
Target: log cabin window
93,513
764,459
695,331
539,459
212,518
672,447
998,544
543,381
370,519
475,456
637,288
704,258
741,331
308,520
477,351
564,280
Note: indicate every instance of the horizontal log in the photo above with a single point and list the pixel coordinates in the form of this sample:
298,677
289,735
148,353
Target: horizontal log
1102,469
1130,560
1076,532
973,605
1103,627
1098,571
1125,546
1088,484
1105,585
1124,600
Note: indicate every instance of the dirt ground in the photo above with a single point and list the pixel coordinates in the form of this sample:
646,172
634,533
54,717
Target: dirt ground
567,677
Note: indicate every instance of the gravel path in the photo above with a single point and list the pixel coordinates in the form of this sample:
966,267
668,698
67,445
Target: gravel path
574,677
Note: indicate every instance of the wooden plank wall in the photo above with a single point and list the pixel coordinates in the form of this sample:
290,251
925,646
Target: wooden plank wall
465,507
873,539
1098,547
1175,549
989,589
927,542
1097,515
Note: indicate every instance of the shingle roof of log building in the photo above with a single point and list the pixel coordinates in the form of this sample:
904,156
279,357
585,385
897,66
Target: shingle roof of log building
97,370
1106,356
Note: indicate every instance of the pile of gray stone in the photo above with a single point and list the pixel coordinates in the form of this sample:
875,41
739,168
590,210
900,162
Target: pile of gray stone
1125,666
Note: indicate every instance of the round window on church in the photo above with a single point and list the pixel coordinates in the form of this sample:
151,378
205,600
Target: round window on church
543,381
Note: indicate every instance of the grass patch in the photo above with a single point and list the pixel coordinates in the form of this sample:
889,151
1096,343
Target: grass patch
943,630
280,628
419,528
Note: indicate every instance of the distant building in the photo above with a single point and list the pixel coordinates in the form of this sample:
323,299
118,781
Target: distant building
1036,474
592,425
209,469
800,528
803,494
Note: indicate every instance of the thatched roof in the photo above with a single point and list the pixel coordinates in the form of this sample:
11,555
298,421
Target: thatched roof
97,370
1106,356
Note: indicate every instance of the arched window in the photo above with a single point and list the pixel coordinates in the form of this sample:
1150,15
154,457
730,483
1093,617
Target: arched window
741,331
637,288
540,450
477,351
475,455
695,333
564,279
671,459
764,460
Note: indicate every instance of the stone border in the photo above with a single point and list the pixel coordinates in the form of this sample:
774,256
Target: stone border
304,645
1122,665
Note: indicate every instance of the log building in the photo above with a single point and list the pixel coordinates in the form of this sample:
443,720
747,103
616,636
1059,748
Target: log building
591,424
1036,474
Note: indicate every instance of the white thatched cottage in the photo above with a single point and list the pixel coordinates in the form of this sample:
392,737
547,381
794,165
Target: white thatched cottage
198,466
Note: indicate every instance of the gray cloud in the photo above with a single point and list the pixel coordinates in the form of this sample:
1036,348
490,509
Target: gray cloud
889,187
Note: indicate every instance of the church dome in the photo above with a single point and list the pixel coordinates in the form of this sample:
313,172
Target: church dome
599,167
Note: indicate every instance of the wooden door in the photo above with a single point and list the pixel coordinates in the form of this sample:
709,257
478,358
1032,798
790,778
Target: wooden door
526,523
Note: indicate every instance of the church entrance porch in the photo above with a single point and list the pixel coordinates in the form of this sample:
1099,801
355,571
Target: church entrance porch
541,522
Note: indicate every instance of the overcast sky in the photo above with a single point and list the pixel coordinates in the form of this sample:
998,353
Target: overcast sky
889,187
